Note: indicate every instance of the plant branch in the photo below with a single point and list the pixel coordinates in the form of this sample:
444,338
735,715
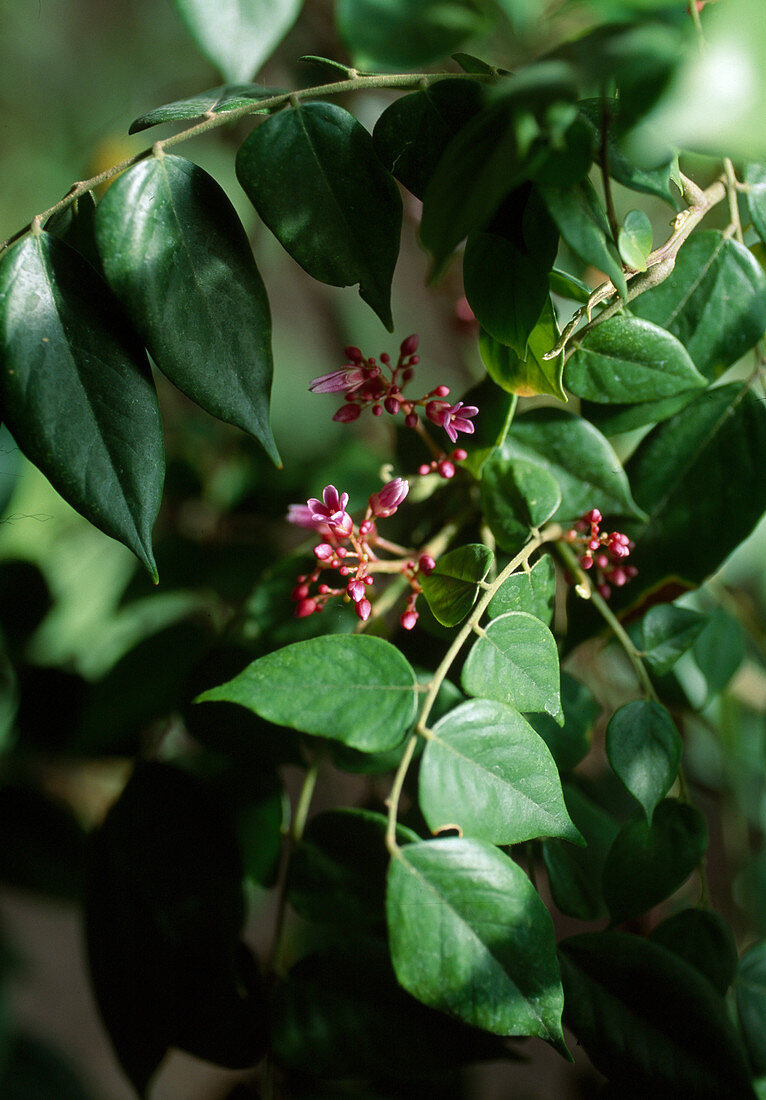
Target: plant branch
213,120
549,534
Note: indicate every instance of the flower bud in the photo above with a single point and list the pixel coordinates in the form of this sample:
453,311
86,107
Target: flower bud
408,619
409,345
304,608
363,608
391,405
324,551
356,589
387,500
353,353
426,564
411,420
346,413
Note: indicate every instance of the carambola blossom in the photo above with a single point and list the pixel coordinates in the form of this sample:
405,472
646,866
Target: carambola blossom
331,511
385,502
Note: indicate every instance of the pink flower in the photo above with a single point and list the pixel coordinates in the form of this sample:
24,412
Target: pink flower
331,511
345,380
457,418
301,515
387,500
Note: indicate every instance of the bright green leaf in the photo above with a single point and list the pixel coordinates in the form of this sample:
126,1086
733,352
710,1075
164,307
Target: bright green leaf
177,257
486,772
532,591
531,375
644,749
237,36
470,936
714,301
226,97
666,633
634,239
648,1021
312,174
355,689
76,390
754,176
451,588
647,863
515,661
517,496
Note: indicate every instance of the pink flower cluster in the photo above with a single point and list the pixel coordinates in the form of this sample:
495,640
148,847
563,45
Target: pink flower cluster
604,552
350,550
365,383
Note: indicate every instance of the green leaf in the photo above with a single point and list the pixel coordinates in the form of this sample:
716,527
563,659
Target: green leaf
312,174
666,634
567,286
649,181
76,390
340,1013
531,375
506,288
394,36
219,100
578,456
451,588
703,939
719,649
754,176
337,873
647,863
469,935
750,991
644,749
176,255
693,477
470,64
614,419
714,301
490,156
517,496
497,412
634,239
533,591
237,36
630,360
574,874
355,689
487,773
569,743
76,226
515,661
163,920
582,222
648,1021
411,135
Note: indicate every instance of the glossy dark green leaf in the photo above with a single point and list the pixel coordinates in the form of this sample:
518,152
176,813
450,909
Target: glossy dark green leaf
629,360
506,288
517,497
497,412
644,749
569,743
487,773
489,157
337,873
340,1013
649,181
574,873
532,591
515,661
312,174
714,301
470,64
582,222
634,239
666,633
76,226
77,392
649,1021
531,375
176,255
237,36
392,35
647,863
411,135
754,176
469,935
750,991
226,97
452,587
719,649
163,919
567,286
702,938
578,456
355,689
693,477
614,419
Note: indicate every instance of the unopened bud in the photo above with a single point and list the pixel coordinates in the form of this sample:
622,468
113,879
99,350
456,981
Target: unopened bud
459,455
300,592
391,405
355,590
324,551
410,345
446,468
363,608
426,564
377,410
408,619
347,413
411,420
304,608
353,353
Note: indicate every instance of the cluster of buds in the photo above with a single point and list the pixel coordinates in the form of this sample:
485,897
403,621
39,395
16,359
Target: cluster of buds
351,550
606,553
378,386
